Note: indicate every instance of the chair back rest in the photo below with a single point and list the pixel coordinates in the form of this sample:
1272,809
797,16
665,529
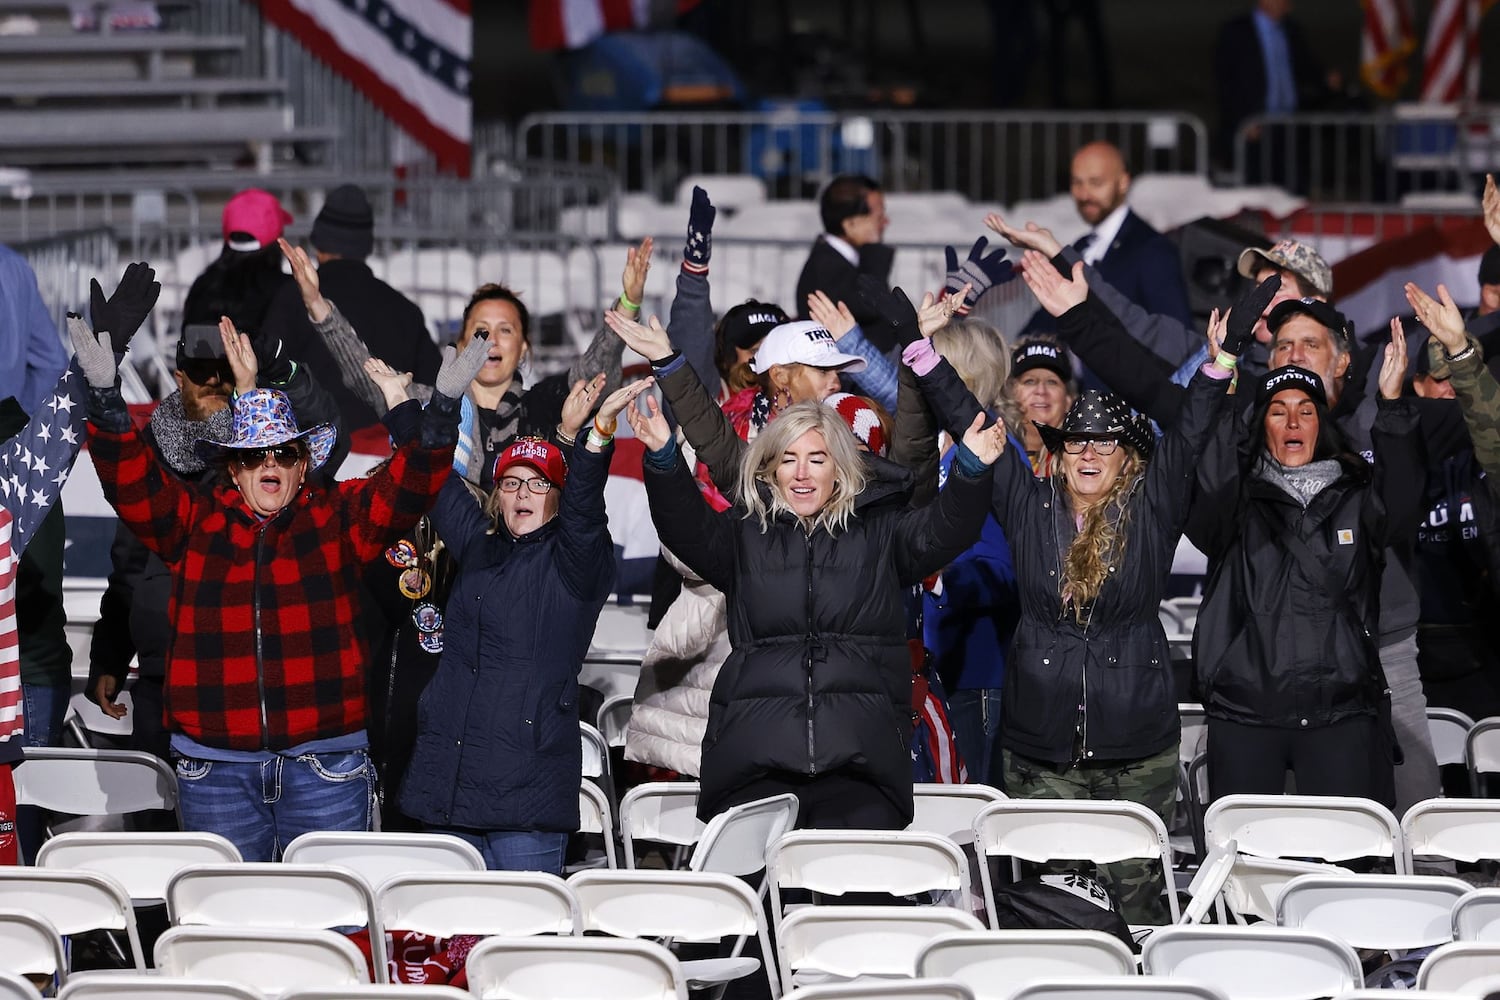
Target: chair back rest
849,941
143,863
511,904
14,987
665,812
265,959
896,989
1460,966
1194,729
899,863
1209,881
375,991
693,906
376,856
1457,829
30,945
1120,988
270,894
1449,729
596,817
595,751
1045,829
112,985
1333,828
563,968
1378,912
1482,748
1254,963
94,782
949,810
1476,917
1255,884
614,718
737,841
993,963
73,902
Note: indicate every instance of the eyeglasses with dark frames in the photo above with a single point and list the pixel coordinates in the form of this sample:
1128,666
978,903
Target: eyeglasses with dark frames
537,485
285,455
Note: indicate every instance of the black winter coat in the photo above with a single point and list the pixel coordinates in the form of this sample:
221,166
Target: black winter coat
497,728
1115,668
1275,645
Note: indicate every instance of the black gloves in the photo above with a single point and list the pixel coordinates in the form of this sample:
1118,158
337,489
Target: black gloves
699,245
122,314
895,309
276,367
1240,328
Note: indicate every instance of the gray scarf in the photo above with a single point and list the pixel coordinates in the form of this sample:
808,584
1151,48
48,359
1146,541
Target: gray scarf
1303,482
176,435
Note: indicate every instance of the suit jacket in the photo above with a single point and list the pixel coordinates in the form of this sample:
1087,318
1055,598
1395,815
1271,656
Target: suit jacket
1241,68
827,271
1144,266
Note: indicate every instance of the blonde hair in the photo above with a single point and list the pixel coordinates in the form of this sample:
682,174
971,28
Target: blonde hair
981,357
1100,542
764,455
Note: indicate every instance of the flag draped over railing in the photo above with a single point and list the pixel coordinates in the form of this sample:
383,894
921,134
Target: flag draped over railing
1450,58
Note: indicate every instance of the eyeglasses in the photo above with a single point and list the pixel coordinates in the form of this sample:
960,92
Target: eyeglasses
286,456
1102,446
537,485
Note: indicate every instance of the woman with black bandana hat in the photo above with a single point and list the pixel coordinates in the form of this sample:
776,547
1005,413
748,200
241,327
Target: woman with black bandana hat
1296,525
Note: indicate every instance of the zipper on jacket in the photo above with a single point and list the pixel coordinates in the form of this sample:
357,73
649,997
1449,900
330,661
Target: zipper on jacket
260,667
812,758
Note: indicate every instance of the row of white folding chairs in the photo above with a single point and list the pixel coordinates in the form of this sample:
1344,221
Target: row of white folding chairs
1394,913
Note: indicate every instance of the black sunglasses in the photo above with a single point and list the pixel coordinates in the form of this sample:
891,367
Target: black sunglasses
286,456
202,372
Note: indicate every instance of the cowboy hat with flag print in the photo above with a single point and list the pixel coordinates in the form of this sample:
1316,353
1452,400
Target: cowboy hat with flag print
1096,415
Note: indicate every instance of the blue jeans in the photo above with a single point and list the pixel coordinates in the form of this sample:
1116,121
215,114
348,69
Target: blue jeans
975,716
43,706
261,806
516,850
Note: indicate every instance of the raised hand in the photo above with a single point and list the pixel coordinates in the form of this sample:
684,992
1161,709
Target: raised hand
1216,322
307,281
94,355
1442,318
1393,365
580,403
1492,208
609,410
936,312
979,272
241,354
122,314
652,430
633,278
987,444
836,319
391,383
650,342
1239,325
1055,293
895,309
459,369
1031,237
700,232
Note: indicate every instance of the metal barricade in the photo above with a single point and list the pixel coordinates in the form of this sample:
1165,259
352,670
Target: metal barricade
1370,157
988,157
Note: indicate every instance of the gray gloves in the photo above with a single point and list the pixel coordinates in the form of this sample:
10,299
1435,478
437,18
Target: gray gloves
459,369
94,355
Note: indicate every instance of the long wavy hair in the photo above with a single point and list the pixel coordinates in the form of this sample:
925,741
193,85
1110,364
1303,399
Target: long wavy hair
981,357
764,455
1100,543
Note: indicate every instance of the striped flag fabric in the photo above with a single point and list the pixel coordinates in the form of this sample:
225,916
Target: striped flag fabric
1386,44
410,57
1450,57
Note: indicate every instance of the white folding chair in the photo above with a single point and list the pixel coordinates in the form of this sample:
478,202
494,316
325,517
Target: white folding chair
130,986
1456,829
1040,830
995,963
845,942
1476,916
1458,967
1482,751
661,812
74,903
14,987
1374,993
613,718
276,895
949,810
141,862
30,945
1254,963
1379,912
1118,988
737,840
565,968
596,817
270,960
95,782
595,754
510,904
1332,828
1449,729
1255,884
394,991
835,862
889,989
376,857
1187,610
684,906
1208,882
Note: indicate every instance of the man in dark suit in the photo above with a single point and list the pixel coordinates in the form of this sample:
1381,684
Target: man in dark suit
854,220
1136,259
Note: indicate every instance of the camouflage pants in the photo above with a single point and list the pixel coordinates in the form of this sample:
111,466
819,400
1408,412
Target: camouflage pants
1152,781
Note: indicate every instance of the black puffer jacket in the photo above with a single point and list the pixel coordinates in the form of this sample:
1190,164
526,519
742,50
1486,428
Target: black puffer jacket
1116,666
819,677
1275,645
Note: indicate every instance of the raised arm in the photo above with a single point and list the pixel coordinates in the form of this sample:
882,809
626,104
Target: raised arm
602,356
880,376
688,527
929,538
1400,473
1459,357
690,323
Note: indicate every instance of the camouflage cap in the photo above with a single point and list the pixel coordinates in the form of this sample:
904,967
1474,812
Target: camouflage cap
1299,258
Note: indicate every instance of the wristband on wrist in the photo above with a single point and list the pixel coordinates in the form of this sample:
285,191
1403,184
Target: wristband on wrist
1226,360
1461,355
625,301
565,437
608,430
599,440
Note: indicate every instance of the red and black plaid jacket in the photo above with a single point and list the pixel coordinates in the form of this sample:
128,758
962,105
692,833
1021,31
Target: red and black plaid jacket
266,653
